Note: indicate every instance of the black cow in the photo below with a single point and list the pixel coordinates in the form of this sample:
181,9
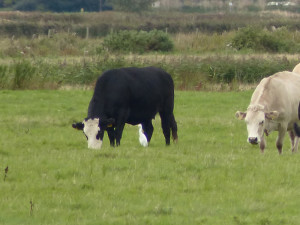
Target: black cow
133,96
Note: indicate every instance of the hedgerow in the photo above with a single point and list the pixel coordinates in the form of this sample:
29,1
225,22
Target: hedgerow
257,39
137,41
187,72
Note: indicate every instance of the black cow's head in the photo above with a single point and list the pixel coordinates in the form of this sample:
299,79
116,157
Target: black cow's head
94,130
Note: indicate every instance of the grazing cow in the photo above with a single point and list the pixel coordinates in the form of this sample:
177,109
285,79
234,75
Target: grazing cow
133,96
297,68
273,107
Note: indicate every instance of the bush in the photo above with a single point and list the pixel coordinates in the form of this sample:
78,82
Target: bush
3,76
23,72
227,70
26,5
137,41
188,72
258,39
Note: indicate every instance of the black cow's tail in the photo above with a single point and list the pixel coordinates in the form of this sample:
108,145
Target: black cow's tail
174,128
297,130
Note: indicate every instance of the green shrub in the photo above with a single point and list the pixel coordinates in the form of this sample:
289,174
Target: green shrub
23,72
86,72
227,70
258,39
3,76
137,41
188,72
247,38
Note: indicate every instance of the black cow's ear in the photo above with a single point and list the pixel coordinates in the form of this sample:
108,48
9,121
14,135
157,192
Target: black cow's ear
78,126
107,123
110,122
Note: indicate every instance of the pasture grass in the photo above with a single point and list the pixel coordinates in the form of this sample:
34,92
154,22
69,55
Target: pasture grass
211,176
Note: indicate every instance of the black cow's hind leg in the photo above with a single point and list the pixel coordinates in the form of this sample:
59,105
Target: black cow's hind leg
165,124
148,129
120,123
174,128
118,133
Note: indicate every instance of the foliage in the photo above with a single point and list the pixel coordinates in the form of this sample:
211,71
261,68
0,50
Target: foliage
250,70
57,5
3,76
101,24
23,71
131,5
137,41
65,58
261,40
289,8
28,5
7,3
189,73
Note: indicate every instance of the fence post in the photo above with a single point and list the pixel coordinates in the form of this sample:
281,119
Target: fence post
87,32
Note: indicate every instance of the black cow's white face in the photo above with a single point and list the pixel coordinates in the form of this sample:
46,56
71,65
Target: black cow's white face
94,130
91,130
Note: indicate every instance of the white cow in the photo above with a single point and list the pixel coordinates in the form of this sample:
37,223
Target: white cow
297,68
274,106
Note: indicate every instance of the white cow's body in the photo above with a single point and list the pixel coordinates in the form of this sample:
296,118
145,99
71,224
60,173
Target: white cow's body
297,69
274,106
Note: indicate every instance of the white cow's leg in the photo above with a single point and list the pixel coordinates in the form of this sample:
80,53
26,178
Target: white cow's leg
262,144
281,134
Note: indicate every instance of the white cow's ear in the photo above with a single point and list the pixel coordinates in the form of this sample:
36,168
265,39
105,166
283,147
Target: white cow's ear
272,115
240,115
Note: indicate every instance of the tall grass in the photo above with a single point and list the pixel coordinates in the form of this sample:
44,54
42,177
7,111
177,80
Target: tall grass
188,72
200,43
59,44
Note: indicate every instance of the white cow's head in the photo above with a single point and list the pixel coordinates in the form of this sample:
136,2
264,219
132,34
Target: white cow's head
94,130
256,119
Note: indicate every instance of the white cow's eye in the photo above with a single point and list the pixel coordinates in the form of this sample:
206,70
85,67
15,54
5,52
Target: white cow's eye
261,123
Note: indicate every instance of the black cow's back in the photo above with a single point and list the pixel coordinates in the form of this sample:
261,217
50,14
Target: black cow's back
142,92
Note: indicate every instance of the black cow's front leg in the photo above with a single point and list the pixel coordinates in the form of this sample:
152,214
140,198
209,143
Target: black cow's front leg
148,130
118,133
120,123
111,136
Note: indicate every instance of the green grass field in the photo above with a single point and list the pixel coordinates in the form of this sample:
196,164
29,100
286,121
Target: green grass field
211,176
